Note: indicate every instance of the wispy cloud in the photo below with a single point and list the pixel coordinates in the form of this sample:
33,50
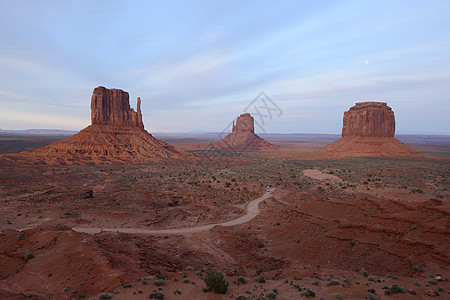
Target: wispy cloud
199,69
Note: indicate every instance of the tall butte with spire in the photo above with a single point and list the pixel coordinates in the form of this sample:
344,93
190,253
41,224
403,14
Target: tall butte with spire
368,130
112,107
116,134
243,136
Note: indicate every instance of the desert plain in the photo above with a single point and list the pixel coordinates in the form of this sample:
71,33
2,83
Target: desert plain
353,228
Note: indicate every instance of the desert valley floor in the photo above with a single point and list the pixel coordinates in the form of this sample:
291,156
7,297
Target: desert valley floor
332,229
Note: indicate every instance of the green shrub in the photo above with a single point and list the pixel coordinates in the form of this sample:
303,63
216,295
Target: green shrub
333,282
156,295
396,289
104,296
391,276
261,279
159,282
242,279
29,255
215,282
260,270
159,276
308,293
371,296
271,295
21,236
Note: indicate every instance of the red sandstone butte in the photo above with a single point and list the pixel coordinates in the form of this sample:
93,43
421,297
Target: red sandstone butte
112,107
369,119
368,130
117,134
243,136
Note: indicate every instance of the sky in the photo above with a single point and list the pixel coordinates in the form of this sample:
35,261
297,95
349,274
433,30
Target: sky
197,65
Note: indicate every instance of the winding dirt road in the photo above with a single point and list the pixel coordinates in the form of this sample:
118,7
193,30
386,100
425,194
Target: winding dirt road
252,211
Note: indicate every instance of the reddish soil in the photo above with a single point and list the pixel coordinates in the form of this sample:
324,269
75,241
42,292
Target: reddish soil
350,226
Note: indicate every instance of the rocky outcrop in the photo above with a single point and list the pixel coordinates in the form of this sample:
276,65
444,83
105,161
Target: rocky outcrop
243,136
368,130
112,107
369,119
117,134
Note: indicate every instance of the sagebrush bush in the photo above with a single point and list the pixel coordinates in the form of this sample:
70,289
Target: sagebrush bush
156,295
242,279
333,282
159,282
215,282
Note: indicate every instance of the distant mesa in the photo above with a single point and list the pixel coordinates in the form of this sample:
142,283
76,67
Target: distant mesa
117,134
368,130
243,137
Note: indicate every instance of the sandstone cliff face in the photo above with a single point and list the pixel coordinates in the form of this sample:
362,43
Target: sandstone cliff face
112,107
369,119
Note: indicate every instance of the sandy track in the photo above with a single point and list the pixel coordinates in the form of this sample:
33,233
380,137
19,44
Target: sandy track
252,211
319,175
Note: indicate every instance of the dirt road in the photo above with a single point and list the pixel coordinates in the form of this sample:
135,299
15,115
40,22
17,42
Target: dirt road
252,211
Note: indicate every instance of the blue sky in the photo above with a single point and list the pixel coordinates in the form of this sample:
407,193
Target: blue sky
197,64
